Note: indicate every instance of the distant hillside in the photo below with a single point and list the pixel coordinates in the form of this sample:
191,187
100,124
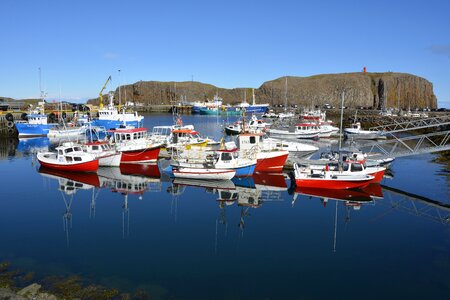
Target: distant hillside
361,89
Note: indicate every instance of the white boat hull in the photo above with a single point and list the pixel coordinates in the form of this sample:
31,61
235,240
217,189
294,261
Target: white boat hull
112,160
204,174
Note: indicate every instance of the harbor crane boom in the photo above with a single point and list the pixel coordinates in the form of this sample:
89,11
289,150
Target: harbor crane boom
101,92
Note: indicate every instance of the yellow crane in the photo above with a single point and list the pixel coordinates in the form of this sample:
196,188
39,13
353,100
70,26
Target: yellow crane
101,92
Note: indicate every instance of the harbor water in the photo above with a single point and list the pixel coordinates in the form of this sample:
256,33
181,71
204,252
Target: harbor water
256,238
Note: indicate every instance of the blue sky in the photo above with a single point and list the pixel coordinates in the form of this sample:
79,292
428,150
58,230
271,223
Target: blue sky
78,44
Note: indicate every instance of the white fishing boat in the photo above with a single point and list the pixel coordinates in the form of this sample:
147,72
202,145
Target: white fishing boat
69,131
357,133
299,131
295,149
220,159
203,173
254,125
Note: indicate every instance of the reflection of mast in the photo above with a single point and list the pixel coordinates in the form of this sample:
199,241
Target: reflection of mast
67,216
335,228
244,213
93,204
125,213
222,219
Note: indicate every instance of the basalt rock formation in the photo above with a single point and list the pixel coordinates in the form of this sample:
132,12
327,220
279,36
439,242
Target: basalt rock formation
377,90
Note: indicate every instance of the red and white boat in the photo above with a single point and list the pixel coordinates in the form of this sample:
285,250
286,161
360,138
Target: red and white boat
68,157
107,156
135,146
267,159
310,178
352,167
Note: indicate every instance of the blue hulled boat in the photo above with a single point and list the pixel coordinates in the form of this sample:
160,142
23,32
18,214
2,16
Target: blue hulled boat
110,117
30,129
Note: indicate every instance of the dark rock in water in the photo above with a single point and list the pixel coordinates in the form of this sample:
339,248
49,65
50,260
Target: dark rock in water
376,90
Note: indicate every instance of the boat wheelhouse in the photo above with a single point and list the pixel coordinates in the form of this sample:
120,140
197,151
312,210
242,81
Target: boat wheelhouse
134,145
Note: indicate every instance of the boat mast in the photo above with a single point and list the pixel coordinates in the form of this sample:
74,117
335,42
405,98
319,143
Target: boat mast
119,90
42,96
253,96
342,114
285,94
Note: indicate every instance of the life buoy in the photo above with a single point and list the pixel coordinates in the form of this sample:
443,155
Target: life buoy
9,117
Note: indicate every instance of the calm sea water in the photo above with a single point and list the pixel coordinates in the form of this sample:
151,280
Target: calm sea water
133,229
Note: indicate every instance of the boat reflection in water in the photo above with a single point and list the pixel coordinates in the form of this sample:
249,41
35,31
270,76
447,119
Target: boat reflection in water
130,179
144,178
69,183
351,197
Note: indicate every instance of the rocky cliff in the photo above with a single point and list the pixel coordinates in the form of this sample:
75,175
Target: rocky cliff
378,90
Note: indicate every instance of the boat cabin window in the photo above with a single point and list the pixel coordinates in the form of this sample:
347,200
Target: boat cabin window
77,149
128,136
356,168
345,166
77,158
226,156
333,167
252,140
68,150
95,147
60,152
236,154
69,159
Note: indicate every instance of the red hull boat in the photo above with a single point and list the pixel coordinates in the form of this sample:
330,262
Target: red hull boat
90,166
271,161
140,155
